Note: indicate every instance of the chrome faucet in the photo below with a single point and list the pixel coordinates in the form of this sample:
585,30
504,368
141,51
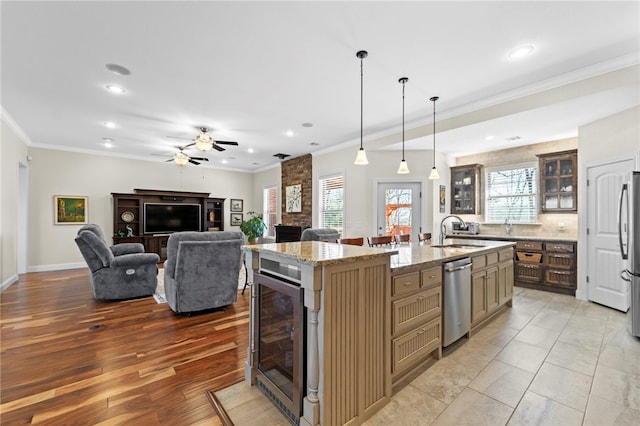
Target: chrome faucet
443,228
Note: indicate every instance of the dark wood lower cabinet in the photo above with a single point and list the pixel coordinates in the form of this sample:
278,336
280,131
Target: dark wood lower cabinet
546,265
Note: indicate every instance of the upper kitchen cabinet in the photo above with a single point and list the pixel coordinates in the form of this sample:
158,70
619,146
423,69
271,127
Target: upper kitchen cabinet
558,182
465,189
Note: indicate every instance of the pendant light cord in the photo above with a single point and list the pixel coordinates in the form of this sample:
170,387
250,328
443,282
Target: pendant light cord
361,101
403,119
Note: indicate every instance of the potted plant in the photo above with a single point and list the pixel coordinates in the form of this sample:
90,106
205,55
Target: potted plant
253,227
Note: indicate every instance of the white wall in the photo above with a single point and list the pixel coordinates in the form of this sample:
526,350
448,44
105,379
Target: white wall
13,151
613,137
53,172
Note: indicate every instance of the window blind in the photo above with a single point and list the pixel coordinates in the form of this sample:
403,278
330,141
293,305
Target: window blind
512,194
332,202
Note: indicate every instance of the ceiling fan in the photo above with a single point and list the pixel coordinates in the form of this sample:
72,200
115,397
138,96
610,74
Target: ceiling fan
181,158
204,142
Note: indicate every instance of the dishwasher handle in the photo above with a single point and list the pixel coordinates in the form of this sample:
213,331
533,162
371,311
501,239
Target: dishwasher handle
458,268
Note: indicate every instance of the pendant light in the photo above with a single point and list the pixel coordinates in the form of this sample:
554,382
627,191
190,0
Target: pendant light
404,168
434,172
361,158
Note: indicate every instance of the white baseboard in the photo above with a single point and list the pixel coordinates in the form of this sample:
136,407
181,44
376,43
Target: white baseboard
581,295
56,267
8,282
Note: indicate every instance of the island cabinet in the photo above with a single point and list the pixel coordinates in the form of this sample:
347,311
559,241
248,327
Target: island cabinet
342,293
491,285
416,309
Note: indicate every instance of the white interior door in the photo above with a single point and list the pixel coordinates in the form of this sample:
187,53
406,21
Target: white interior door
398,209
603,249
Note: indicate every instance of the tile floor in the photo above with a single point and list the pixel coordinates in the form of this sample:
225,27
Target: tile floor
549,360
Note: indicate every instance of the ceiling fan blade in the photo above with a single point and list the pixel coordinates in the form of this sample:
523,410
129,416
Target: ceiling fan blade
199,158
218,148
169,160
227,142
192,161
183,147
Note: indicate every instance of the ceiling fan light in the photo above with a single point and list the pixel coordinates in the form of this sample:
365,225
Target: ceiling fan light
361,158
434,173
204,142
404,168
181,158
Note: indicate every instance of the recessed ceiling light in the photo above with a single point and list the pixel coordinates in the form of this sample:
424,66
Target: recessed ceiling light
488,138
115,89
250,151
224,161
110,124
118,69
289,133
108,145
107,139
521,52
307,124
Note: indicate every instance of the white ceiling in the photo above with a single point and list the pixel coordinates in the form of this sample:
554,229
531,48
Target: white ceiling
253,70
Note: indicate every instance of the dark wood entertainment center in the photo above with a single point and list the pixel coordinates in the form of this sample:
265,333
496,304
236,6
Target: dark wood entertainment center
128,211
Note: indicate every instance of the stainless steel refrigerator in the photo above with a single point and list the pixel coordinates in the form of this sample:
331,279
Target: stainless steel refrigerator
629,234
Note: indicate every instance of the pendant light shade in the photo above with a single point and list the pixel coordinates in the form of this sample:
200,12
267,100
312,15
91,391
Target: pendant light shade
361,158
404,167
434,172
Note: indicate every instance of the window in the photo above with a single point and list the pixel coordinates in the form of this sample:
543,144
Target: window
332,202
270,209
512,194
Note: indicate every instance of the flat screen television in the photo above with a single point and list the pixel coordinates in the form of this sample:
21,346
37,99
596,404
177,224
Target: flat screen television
167,218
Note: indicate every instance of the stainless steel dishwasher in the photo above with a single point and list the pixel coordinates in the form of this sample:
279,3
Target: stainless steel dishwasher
457,300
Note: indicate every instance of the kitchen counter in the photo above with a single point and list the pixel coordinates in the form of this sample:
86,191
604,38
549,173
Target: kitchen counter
426,255
509,237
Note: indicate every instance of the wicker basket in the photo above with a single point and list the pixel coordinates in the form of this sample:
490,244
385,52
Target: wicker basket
527,257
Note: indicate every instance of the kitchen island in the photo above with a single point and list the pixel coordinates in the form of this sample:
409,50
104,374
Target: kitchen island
373,319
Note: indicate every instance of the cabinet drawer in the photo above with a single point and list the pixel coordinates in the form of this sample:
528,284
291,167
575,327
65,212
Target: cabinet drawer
560,247
529,245
525,256
562,261
415,345
406,283
561,278
416,309
478,262
505,255
492,258
528,272
431,277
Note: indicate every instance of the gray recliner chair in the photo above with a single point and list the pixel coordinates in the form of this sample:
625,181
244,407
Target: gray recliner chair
320,234
202,268
122,271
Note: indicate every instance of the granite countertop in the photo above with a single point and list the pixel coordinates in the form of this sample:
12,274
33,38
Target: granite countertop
317,253
414,254
510,237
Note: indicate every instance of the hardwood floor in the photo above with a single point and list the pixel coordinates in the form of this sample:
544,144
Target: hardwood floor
69,359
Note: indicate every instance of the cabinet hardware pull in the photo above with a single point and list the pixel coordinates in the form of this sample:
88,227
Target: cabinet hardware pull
420,298
408,283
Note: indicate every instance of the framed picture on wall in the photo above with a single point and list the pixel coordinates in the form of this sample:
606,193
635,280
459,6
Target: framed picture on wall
70,209
236,219
294,198
236,205
443,198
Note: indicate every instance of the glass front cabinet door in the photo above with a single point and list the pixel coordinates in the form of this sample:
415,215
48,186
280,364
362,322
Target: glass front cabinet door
465,187
558,182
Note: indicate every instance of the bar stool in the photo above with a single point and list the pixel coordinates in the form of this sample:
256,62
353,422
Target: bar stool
351,241
383,240
403,239
424,236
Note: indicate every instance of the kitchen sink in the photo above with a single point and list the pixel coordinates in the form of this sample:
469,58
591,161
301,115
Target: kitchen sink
459,246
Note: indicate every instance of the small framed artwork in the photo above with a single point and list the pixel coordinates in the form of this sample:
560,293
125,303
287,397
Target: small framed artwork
294,198
236,205
236,219
70,209
443,190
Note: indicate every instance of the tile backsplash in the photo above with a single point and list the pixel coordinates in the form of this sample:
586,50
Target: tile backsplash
560,225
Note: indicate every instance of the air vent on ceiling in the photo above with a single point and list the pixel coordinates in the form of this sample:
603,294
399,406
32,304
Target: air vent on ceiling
513,138
281,156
